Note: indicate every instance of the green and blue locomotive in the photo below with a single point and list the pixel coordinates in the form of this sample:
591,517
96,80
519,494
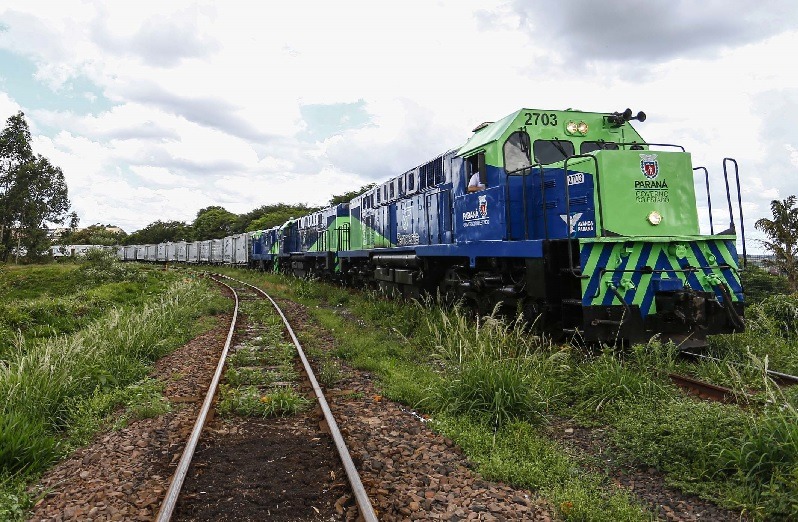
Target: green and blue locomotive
575,218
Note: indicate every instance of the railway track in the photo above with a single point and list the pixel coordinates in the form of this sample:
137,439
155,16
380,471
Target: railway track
173,494
713,392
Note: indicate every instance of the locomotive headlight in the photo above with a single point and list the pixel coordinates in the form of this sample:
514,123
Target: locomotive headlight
655,218
571,127
581,128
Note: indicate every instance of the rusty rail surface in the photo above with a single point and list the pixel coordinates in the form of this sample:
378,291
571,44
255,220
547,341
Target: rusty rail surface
703,389
781,379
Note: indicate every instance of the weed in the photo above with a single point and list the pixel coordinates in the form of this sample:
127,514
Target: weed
494,367
15,500
40,380
247,375
329,372
250,401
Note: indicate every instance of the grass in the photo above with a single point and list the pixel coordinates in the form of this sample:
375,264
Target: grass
260,376
46,301
516,453
61,387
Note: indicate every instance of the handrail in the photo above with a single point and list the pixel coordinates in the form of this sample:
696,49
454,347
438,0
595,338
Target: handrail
647,144
739,203
709,198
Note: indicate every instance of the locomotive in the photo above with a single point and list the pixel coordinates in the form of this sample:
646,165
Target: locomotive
578,221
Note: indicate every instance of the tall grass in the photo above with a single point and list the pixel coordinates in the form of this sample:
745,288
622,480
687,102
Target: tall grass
494,367
38,380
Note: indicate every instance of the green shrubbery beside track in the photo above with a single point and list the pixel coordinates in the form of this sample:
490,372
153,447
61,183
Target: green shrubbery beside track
58,384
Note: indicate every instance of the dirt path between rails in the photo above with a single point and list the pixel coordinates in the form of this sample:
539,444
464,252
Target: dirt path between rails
276,469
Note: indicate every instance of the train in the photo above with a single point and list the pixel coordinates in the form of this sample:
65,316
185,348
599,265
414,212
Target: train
570,216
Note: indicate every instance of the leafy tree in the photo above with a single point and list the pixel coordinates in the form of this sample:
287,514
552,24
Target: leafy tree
161,231
93,235
214,222
269,216
782,242
349,196
32,191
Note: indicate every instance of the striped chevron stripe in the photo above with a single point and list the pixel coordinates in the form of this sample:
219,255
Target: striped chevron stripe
634,266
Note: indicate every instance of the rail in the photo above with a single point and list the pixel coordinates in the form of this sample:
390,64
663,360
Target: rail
172,494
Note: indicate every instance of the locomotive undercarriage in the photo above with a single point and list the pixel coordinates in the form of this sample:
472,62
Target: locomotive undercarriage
545,289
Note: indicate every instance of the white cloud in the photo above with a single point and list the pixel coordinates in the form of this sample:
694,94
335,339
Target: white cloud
206,96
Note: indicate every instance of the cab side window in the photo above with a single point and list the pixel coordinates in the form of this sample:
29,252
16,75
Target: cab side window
476,165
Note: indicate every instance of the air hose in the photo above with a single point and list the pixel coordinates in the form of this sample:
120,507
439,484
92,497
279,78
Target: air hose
731,313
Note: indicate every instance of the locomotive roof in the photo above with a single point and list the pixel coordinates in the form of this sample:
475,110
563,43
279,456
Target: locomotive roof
493,131
488,133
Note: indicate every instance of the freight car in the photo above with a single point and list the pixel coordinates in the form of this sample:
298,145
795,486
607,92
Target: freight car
575,219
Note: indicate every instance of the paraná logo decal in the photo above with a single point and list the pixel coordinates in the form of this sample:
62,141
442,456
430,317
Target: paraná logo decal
477,217
649,165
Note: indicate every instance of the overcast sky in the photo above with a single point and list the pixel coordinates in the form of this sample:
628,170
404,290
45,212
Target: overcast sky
156,109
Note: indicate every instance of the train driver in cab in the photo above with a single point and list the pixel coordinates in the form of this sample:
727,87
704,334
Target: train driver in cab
476,166
475,184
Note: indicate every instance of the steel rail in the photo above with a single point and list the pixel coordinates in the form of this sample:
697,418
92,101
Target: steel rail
169,503
782,379
362,499
703,389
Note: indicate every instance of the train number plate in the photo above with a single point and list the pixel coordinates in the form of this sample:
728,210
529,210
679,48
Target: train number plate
575,179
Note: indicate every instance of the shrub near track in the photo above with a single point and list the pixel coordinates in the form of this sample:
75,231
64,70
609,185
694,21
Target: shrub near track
57,389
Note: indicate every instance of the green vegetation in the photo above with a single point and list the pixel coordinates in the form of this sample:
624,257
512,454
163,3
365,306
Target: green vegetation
84,338
33,191
49,300
782,238
492,386
260,378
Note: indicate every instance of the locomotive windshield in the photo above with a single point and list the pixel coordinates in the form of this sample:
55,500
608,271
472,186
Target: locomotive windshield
590,146
551,151
516,152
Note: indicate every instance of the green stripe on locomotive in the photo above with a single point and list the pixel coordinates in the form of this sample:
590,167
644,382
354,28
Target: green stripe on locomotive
364,237
334,237
639,267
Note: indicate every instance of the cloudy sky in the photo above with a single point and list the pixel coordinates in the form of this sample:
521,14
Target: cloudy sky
156,109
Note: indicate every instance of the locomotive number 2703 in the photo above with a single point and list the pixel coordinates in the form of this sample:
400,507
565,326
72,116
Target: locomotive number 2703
539,118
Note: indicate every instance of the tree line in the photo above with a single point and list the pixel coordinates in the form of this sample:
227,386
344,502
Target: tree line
210,222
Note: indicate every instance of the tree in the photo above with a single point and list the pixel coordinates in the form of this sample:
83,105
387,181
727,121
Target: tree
32,191
161,231
782,242
349,196
269,216
93,235
214,222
